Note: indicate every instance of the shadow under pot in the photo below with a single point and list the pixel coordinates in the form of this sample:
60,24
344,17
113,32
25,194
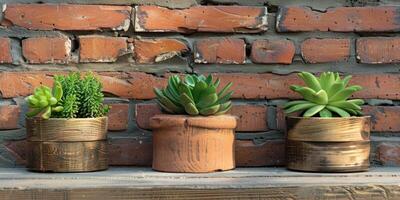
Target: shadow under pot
328,144
67,145
184,143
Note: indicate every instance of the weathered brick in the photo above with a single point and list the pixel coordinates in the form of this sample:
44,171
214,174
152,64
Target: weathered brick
388,154
9,115
325,50
383,118
139,85
222,51
136,85
280,118
201,18
269,153
46,49
378,50
130,151
68,16
118,117
143,113
18,149
272,51
5,49
101,48
157,50
251,117
340,19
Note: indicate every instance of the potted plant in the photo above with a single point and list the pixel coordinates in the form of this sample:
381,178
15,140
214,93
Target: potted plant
331,135
195,135
66,126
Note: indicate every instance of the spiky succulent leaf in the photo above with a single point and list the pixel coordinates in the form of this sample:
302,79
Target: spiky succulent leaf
196,95
325,96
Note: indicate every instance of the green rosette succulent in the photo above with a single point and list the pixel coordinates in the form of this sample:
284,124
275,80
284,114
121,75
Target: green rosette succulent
325,96
45,101
195,95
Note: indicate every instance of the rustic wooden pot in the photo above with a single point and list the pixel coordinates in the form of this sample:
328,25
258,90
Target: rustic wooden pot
328,144
67,145
183,143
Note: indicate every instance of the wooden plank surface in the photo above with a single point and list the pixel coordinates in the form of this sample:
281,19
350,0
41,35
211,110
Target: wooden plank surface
242,183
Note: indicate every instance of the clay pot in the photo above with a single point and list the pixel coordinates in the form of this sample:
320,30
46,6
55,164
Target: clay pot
328,144
183,143
67,145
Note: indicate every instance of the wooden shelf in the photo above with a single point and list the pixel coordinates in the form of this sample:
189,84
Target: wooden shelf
245,183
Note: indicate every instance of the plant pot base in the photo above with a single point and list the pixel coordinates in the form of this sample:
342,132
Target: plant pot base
193,144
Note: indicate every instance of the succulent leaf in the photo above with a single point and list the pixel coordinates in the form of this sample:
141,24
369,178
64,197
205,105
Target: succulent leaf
196,95
326,96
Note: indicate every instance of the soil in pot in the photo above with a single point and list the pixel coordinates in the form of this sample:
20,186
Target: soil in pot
67,145
328,144
183,143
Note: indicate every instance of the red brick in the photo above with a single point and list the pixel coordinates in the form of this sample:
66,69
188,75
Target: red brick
135,85
139,85
222,51
118,117
272,51
378,50
130,151
388,154
18,149
101,48
383,118
280,118
325,50
340,19
9,116
157,50
202,19
5,49
68,17
143,113
46,50
251,118
269,153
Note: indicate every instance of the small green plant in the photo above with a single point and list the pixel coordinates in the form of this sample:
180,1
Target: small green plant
78,98
326,96
45,101
195,95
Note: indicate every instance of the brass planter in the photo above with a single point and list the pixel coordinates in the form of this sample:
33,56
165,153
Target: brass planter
193,144
328,144
67,145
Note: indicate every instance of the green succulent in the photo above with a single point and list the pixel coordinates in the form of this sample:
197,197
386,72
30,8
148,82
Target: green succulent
44,101
327,96
195,95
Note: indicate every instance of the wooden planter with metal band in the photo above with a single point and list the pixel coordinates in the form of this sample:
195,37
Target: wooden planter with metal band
328,144
67,145
183,143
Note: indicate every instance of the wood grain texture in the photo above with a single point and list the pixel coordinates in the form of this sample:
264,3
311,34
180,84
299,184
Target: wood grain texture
190,147
241,183
212,122
62,129
67,145
328,144
68,156
337,129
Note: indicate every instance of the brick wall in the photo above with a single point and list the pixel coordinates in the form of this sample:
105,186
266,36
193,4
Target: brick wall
259,45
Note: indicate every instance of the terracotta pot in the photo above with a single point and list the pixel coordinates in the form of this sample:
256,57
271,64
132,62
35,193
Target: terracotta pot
67,145
328,144
193,144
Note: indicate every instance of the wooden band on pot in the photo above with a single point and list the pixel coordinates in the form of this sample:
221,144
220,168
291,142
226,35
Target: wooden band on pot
328,156
328,129
211,122
67,156
61,129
